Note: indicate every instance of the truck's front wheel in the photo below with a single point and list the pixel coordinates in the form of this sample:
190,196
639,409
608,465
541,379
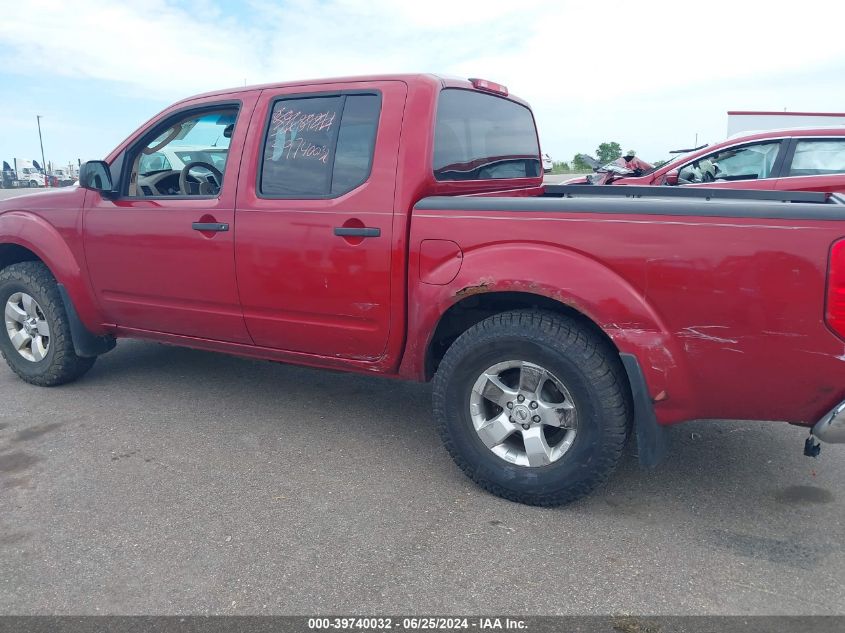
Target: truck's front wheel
36,341
533,407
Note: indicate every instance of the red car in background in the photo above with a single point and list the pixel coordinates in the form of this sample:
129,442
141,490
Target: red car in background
797,159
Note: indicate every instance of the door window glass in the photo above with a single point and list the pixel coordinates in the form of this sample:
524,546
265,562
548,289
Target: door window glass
153,162
187,158
749,162
319,146
817,158
355,142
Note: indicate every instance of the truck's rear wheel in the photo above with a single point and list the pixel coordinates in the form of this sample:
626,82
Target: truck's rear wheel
533,407
36,341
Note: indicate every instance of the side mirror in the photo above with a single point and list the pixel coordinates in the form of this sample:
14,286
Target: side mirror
96,176
671,177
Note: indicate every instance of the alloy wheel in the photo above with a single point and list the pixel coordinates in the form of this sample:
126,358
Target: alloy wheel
523,413
27,327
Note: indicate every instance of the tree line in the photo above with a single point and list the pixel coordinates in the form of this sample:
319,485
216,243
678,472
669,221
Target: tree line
606,152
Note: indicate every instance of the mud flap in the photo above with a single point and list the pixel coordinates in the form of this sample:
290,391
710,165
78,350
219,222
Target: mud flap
85,343
651,437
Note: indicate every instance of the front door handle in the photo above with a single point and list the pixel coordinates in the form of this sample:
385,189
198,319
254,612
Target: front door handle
210,226
355,231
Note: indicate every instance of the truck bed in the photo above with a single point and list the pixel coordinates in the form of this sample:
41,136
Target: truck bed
720,293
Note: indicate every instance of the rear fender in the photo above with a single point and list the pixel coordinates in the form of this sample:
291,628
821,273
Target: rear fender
615,304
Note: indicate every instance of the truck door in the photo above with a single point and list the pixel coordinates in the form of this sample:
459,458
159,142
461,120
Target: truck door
161,254
314,242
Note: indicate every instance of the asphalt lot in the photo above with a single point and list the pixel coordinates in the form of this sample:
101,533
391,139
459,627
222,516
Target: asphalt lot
176,481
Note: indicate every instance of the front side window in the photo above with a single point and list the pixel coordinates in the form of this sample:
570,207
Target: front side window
187,158
482,137
319,146
749,162
818,158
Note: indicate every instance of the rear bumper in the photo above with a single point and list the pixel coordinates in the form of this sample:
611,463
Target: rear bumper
831,428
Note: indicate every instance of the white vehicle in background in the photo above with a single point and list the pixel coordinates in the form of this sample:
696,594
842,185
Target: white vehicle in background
64,177
30,175
746,122
547,164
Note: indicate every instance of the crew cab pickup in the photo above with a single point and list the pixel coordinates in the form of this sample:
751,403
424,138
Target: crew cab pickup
399,225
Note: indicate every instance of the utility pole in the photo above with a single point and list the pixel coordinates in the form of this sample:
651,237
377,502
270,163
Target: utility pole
43,162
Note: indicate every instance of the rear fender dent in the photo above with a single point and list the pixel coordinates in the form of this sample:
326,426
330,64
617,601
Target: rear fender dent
614,304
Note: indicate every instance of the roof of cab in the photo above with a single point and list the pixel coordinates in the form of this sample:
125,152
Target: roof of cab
444,81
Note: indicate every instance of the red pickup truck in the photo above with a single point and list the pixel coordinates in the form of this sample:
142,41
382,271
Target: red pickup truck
399,225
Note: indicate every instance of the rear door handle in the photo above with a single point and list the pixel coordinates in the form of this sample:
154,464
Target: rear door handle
351,231
210,226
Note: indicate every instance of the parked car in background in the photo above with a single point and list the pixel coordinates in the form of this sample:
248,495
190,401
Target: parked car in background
547,164
796,159
62,177
7,176
23,173
32,176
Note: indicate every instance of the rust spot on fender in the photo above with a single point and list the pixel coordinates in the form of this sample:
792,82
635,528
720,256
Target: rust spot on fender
482,286
471,290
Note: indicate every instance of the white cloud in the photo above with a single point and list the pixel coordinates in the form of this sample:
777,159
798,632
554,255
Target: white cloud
149,45
644,74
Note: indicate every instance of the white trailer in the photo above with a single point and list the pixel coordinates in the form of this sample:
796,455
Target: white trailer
740,121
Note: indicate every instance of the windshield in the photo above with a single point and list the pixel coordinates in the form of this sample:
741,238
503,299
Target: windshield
215,157
674,157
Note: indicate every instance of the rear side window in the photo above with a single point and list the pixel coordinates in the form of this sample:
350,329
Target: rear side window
817,158
482,137
319,146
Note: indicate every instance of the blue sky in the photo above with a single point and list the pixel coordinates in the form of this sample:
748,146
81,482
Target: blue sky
649,75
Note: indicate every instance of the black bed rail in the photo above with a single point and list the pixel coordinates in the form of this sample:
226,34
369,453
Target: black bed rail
695,193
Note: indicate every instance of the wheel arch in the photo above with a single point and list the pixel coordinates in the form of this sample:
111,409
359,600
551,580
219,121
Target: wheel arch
11,253
551,277
25,236
472,309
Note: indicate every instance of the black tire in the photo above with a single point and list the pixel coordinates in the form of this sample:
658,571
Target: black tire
588,366
60,364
